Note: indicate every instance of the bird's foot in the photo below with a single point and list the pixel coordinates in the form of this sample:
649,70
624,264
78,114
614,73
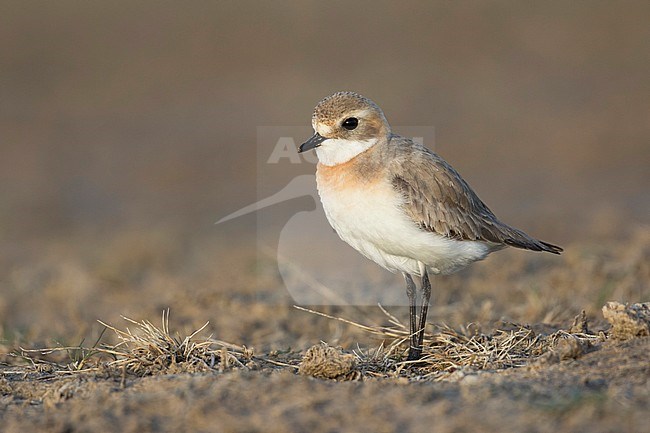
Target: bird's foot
415,353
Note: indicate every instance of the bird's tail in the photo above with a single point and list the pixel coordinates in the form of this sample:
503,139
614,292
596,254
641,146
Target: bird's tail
522,240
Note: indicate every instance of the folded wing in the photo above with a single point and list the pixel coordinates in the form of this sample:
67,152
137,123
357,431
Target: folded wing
439,200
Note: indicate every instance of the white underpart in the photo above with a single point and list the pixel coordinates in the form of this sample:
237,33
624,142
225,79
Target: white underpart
371,220
336,151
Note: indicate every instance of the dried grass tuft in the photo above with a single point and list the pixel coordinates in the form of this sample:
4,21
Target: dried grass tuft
449,350
153,350
147,350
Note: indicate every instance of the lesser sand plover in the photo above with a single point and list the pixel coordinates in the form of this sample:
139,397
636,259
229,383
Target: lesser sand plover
400,204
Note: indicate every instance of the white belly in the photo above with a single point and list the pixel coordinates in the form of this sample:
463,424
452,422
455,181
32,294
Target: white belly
370,219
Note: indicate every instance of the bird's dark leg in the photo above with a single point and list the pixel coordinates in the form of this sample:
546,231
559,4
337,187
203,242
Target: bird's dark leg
414,352
426,295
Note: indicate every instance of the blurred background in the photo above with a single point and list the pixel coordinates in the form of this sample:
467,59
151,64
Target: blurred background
128,128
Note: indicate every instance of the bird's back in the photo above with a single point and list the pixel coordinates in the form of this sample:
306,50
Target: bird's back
439,200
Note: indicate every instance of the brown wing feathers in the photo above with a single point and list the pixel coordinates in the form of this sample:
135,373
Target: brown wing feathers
439,200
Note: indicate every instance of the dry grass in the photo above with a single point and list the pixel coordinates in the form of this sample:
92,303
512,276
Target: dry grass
448,351
508,369
146,350
448,354
153,350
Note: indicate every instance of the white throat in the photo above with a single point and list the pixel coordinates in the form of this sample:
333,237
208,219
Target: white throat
335,151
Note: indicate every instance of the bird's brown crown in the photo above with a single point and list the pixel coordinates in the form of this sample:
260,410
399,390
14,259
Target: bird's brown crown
331,113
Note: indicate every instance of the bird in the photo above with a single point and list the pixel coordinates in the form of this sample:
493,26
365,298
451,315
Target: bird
400,204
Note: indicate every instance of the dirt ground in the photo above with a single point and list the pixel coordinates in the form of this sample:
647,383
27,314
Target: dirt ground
601,384
605,390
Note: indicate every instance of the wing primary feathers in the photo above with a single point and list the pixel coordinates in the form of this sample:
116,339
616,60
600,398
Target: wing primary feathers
439,200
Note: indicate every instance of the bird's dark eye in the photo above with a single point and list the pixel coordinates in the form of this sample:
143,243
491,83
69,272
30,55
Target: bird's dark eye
350,123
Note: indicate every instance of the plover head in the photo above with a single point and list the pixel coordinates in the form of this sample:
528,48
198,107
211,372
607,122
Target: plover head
345,124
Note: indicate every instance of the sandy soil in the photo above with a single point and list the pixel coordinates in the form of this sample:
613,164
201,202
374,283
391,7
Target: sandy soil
605,390
601,384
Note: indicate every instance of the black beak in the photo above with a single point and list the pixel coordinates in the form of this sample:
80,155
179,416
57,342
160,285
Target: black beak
312,143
